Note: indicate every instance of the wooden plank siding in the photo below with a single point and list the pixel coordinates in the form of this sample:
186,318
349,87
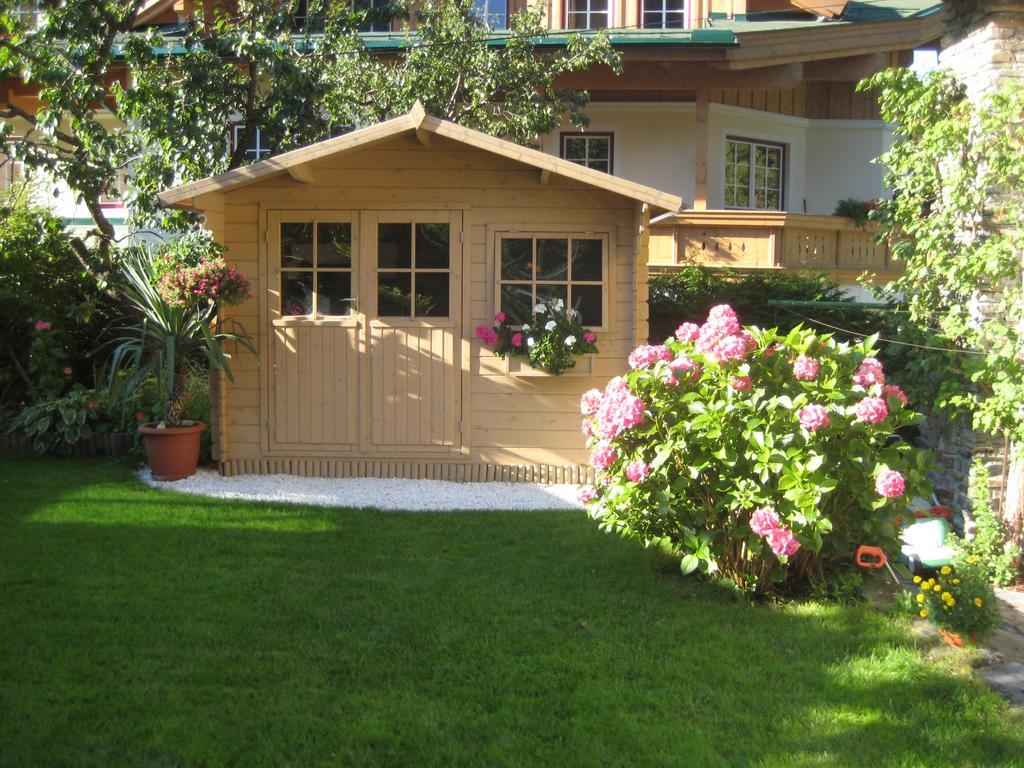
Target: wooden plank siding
512,427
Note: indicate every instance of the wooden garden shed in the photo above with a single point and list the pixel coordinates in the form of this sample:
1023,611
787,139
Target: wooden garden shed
373,256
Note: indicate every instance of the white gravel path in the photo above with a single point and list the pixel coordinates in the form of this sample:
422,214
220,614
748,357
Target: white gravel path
376,493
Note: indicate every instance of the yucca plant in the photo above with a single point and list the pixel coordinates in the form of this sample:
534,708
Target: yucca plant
166,336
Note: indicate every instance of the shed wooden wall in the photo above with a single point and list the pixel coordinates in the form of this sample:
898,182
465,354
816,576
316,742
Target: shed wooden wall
515,428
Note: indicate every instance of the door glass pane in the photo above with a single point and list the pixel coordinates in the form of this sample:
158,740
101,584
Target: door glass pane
516,302
394,246
334,245
432,294
297,245
333,293
432,246
516,258
394,294
552,259
586,299
586,259
296,293
549,293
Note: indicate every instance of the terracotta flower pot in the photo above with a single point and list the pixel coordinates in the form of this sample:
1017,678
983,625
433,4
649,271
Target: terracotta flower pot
172,452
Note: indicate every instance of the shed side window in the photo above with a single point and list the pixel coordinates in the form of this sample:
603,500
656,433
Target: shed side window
534,268
316,268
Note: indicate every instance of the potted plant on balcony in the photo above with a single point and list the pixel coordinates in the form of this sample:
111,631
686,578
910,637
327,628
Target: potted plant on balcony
175,294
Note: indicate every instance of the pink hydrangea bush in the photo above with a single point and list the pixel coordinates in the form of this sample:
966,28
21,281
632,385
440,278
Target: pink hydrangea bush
758,457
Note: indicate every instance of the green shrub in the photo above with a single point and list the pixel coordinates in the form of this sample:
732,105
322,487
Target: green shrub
843,587
995,555
758,456
57,424
858,210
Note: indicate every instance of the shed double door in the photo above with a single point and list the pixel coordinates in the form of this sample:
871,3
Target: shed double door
365,312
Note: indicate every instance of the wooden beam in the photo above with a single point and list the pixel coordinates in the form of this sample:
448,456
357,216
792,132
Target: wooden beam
545,176
423,137
301,173
700,152
848,68
674,75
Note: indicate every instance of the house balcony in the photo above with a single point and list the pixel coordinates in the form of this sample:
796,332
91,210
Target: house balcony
748,240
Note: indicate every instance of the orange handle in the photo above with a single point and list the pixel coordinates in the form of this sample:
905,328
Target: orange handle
870,557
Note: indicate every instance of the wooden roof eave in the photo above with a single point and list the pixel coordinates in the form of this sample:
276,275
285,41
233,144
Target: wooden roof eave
416,121
830,40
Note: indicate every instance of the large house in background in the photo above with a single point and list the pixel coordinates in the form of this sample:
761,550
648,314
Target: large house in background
746,109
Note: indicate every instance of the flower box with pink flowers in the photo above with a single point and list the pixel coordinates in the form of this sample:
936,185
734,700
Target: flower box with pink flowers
551,342
759,458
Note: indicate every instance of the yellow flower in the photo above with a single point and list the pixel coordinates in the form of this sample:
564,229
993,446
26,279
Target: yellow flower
920,598
979,602
924,613
917,579
973,559
956,581
946,596
946,570
937,588
951,602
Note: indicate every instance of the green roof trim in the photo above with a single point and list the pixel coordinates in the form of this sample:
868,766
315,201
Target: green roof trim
682,37
85,221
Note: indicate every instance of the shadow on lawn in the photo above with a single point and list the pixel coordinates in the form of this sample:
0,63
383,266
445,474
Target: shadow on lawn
147,629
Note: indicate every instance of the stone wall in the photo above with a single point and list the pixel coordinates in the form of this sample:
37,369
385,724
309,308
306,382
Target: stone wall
956,447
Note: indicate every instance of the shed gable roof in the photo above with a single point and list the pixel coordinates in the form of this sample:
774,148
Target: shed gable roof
415,121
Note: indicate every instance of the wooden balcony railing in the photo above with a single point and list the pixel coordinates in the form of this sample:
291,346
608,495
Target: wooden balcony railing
770,240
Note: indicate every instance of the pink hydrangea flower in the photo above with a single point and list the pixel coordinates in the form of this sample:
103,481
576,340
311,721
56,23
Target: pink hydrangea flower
724,316
67,370
782,541
869,372
517,339
764,520
890,483
812,417
891,390
588,336
872,410
669,378
602,457
688,332
647,355
500,318
682,363
741,383
42,325
637,471
587,426
749,340
486,335
590,401
619,410
805,368
586,494
730,348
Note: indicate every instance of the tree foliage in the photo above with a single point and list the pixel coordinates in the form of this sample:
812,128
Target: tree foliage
250,64
956,219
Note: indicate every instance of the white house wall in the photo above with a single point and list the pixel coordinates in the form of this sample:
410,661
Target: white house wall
826,160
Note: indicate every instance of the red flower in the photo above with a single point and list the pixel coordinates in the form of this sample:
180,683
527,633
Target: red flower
140,416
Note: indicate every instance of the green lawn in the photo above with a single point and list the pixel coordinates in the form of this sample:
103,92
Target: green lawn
141,628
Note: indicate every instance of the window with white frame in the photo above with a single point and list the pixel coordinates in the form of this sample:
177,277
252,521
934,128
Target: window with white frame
493,14
592,150
547,267
11,170
754,174
257,148
588,14
378,15
662,14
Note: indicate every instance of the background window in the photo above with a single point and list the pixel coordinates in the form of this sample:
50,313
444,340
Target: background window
753,175
257,149
493,14
544,268
662,14
593,150
316,268
11,170
588,14
378,15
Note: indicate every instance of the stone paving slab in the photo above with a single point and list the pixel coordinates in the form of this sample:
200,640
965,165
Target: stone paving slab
1007,680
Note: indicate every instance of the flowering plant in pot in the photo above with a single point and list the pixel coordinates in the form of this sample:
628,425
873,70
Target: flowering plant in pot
550,339
176,323
959,601
757,457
